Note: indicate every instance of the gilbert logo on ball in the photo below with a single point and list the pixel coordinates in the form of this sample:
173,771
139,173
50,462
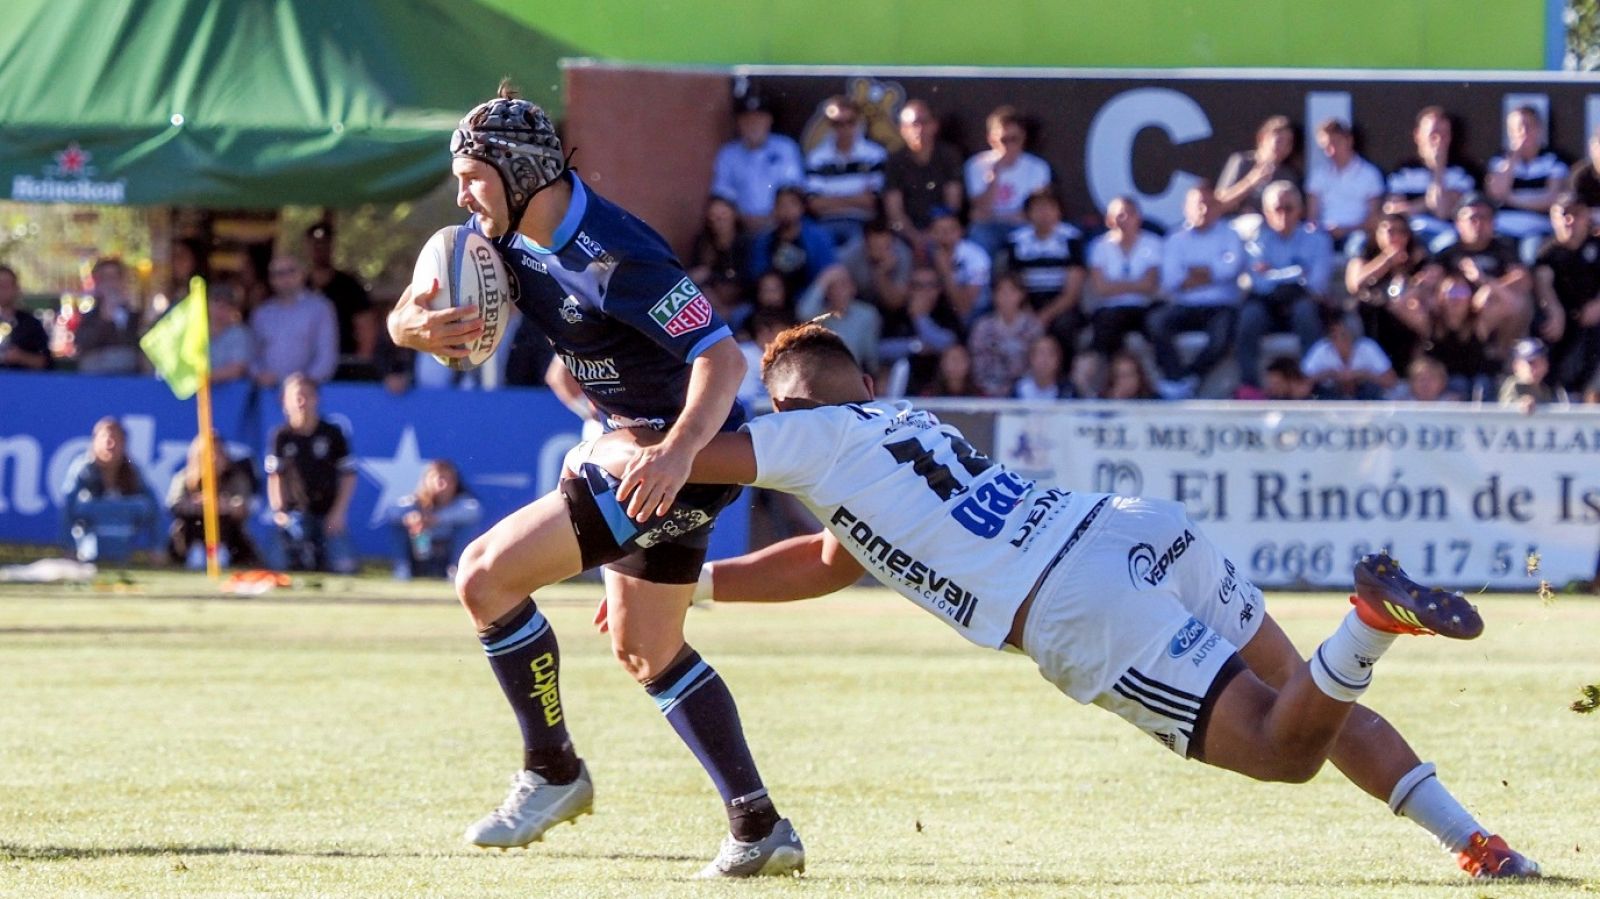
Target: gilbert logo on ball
469,272
682,310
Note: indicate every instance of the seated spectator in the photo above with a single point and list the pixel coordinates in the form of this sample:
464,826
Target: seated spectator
433,523
1428,187
1000,179
1285,381
795,247
919,329
762,327
772,295
1450,329
107,338
720,257
954,375
1200,269
1566,280
1344,366
23,341
880,264
1391,273
1525,180
844,173
1048,255
188,260
1287,266
1044,378
311,477
1086,377
233,346
856,322
749,171
1528,387
296,330
921,176
1124,273
1585,178
1342,197
1000,339
963,267
1491,265
1427,381
236,492
110,510
1247,173
352,306
1127,378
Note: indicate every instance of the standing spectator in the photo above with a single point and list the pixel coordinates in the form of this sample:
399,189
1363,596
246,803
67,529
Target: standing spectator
1426,381
858,323
432,523
1125,273
1524,181
1344,366
358,322
954,375
1342,197
1287,267
1044,378
1585,180
922,175
236,491
1489,263
1566,280
1127,379
749,171
310,479
1528,387
844,173
110,510
1390,274
1428,187
23,341
720,257
795,247
108,335
880,264
1248,172
963,267
1000,179
1000,340
1048,255
233,348
297,331
1200,268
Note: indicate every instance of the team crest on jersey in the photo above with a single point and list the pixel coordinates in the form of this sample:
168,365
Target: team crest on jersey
682,310
571,312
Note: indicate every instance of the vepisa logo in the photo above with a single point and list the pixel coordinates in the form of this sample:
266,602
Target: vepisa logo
1147,568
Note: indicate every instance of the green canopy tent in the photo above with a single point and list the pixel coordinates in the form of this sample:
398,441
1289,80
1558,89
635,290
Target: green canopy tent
246,103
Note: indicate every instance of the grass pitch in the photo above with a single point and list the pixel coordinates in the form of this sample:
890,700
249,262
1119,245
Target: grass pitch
158,740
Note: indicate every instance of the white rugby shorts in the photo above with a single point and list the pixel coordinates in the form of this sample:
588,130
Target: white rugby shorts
1143,617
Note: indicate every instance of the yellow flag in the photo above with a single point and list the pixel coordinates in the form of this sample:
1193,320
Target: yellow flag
179,345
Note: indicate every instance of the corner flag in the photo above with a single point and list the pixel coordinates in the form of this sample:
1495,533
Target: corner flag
179,345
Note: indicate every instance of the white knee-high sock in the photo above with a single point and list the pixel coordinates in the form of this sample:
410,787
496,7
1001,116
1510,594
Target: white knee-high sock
1342,665
1420,797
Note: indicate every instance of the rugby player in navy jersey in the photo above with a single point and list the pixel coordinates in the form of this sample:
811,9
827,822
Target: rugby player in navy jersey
650,353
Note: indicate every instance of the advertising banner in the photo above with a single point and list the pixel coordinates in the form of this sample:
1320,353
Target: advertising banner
1295,493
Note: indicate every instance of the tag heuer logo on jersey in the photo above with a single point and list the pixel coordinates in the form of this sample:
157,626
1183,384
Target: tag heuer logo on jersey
682,310
571,312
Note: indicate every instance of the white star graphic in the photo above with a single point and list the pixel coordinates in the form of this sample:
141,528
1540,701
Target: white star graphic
395,476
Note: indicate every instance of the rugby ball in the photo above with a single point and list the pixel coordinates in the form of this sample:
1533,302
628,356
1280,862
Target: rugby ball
470,272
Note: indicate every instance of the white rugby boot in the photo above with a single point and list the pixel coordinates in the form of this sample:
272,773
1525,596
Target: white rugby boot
780,853
531,808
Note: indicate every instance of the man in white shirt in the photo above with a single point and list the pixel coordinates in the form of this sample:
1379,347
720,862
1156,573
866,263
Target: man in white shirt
1346,367
1000,180
844,173
749,171
1200,269
1342,196
1123,602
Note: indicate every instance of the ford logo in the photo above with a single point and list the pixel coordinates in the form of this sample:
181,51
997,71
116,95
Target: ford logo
1186,638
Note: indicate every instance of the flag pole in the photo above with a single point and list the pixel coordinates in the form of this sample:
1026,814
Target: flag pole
208,478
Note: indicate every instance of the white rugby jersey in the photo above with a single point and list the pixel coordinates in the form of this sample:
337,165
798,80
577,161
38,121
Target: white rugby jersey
919,508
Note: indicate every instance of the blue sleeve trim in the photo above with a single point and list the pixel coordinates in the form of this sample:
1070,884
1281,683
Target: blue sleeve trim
706,342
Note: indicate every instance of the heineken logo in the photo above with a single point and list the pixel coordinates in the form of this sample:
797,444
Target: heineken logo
69,180
682,310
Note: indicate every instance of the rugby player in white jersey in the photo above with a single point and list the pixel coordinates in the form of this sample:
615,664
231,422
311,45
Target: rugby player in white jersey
1123,602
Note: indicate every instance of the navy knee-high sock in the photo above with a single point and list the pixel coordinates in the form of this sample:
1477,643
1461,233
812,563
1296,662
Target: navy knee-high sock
522,651
700,708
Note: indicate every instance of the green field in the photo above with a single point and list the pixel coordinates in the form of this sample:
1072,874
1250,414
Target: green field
156,740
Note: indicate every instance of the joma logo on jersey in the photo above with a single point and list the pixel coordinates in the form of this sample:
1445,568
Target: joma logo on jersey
946,595
682,310
592,371
1147,568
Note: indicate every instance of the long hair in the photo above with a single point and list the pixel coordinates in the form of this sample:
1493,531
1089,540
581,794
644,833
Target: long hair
119,474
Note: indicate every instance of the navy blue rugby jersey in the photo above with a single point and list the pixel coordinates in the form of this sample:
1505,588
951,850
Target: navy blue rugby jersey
619,309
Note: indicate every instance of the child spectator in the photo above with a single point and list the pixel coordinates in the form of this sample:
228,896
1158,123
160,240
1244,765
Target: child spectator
1044,378
236,490
433,522
1127,379
1426,381
1528,387
310,479
110,510
1124,273
1344,366
1000,339
1285,381
954,375
963,266
1001,178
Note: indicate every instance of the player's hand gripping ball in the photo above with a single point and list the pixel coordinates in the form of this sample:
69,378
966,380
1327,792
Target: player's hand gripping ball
469,272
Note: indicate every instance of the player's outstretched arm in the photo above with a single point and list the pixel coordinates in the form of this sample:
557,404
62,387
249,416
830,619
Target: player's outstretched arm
798,568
